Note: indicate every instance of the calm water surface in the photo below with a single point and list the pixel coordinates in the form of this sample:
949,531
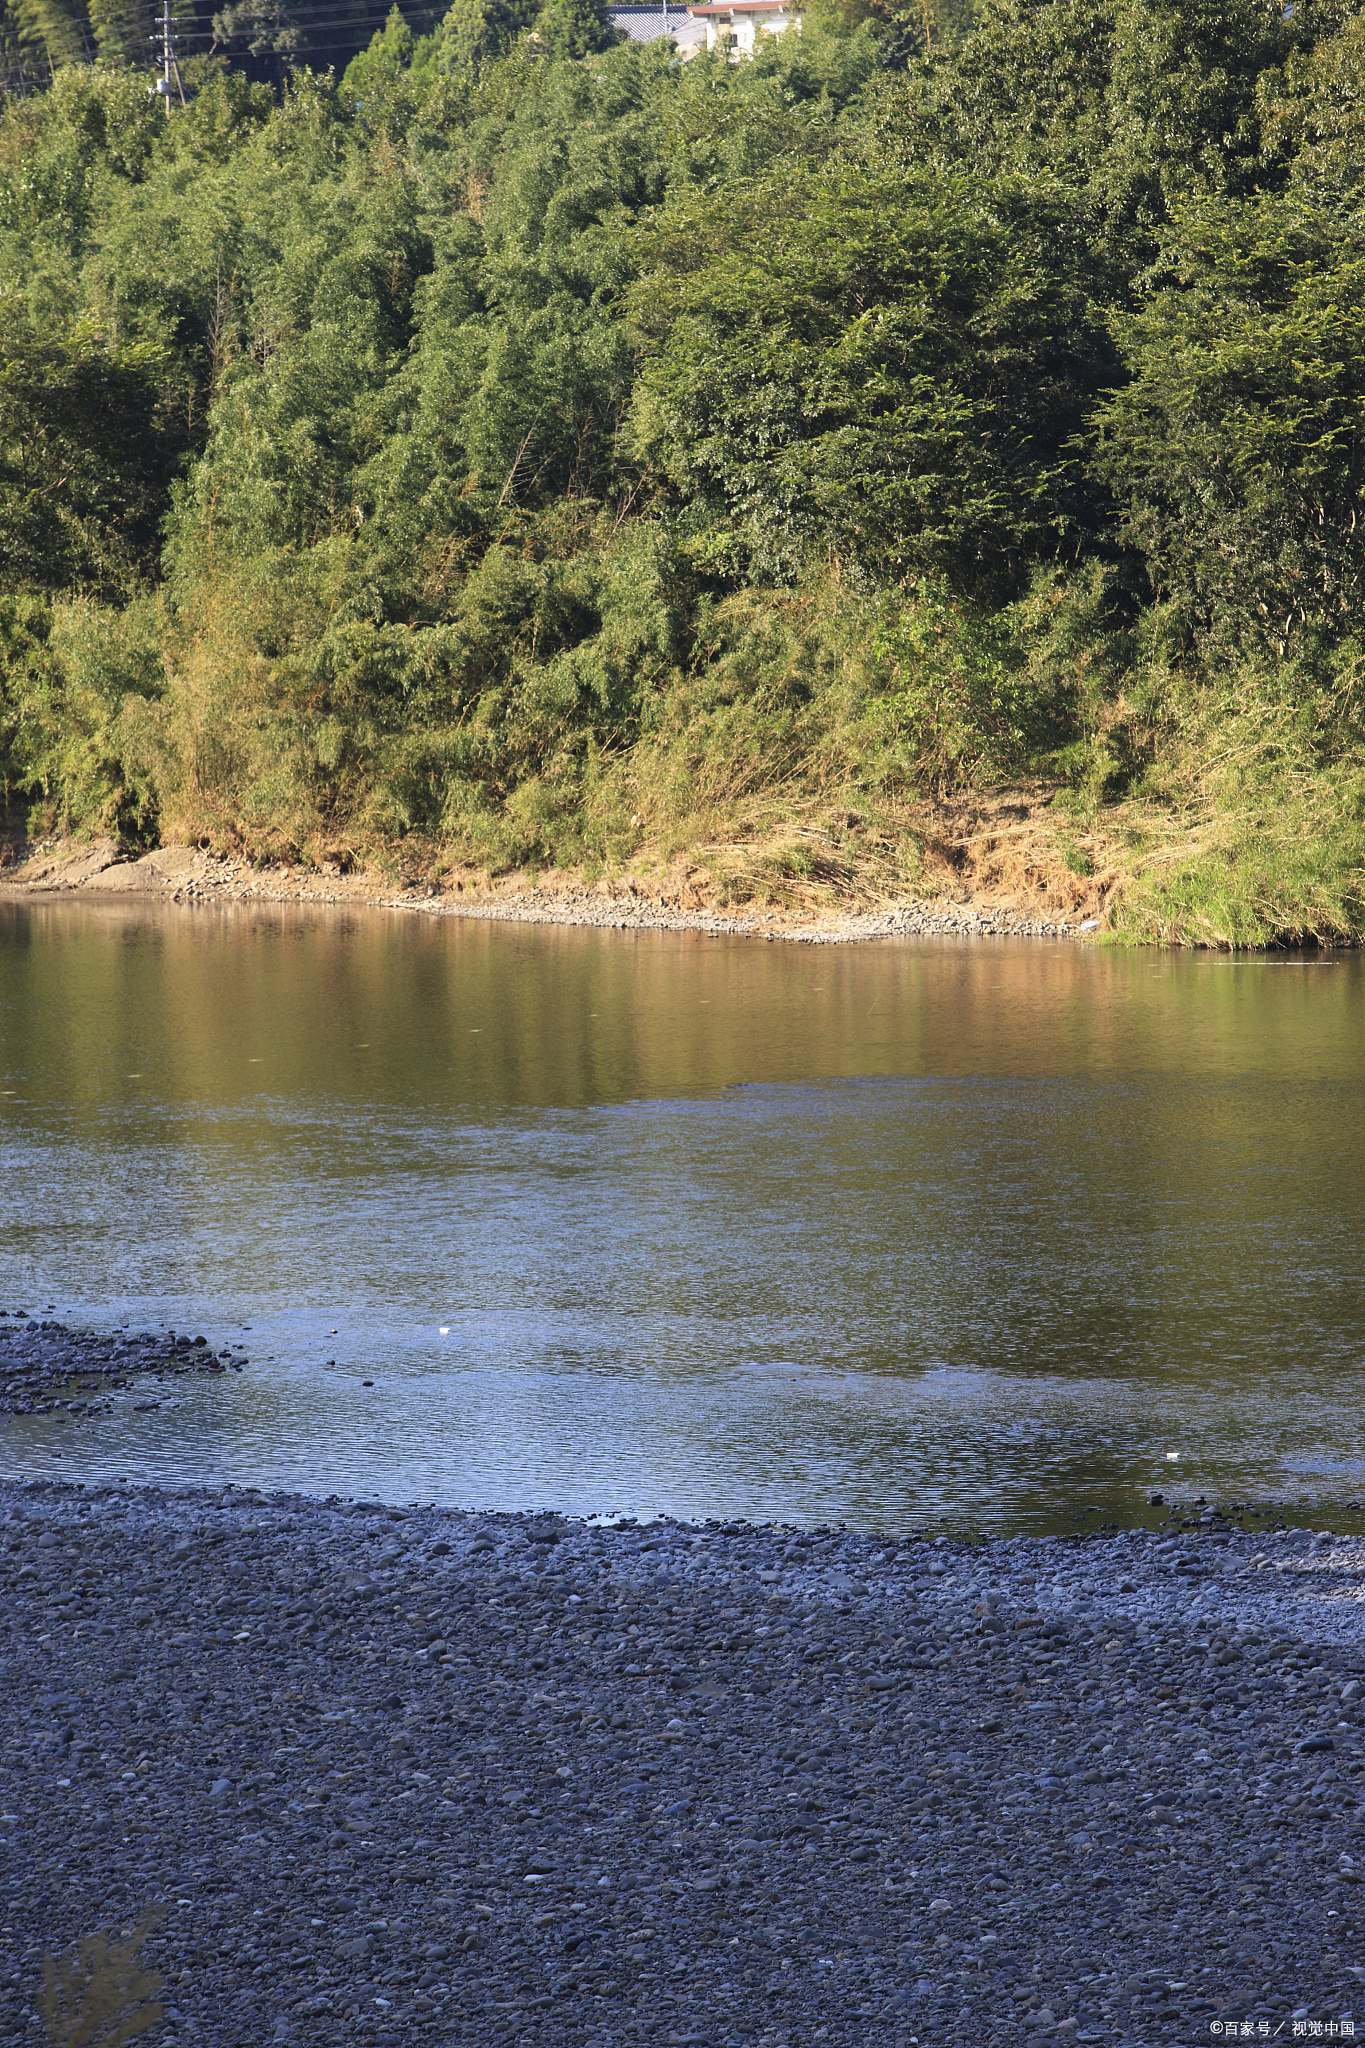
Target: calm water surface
637,1222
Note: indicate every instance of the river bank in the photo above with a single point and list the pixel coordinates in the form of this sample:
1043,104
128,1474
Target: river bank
976,889
411,1776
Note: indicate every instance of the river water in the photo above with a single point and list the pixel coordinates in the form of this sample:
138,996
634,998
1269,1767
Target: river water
903,1233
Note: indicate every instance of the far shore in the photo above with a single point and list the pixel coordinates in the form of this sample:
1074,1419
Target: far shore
101,870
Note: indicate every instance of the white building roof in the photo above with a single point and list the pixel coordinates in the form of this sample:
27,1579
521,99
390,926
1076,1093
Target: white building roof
647,24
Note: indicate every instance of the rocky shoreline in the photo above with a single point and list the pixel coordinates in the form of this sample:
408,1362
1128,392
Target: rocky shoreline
411,1776
48,1369
196,876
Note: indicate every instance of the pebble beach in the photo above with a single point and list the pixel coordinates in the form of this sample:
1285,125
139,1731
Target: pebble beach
196,877
400,1777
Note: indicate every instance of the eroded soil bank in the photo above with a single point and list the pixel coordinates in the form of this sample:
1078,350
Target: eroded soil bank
999,864
417,1776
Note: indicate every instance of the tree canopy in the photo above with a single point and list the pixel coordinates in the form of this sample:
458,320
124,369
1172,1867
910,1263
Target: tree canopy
450,420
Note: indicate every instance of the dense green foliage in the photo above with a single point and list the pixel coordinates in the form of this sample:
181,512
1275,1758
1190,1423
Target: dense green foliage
528,443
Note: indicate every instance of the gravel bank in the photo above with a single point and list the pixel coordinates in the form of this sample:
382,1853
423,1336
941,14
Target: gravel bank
190,875
46,1369
625,911
427,1777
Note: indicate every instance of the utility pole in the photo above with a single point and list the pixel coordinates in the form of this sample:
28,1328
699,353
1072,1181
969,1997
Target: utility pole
169,67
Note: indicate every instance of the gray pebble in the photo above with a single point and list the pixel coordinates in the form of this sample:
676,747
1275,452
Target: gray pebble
405,1776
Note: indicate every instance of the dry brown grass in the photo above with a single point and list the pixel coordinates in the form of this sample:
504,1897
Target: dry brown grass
99,1995
1023,848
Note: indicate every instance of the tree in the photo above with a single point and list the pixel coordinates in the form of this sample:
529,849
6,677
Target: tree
57,32
1237,448
272,39
1129,105
90,438
894,369
474,31
1313,110
575,28
381,66
124,31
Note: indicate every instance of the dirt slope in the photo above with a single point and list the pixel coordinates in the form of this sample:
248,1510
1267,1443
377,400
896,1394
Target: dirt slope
1003,860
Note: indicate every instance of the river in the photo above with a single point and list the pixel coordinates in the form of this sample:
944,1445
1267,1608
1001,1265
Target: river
908,1233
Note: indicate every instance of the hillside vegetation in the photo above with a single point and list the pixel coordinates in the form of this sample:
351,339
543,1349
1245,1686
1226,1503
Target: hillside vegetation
528,453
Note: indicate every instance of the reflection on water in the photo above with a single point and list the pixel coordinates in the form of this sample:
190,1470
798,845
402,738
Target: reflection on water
635,1221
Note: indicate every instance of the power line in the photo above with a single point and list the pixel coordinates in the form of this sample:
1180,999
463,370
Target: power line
304,16
307,28
362,12
284,28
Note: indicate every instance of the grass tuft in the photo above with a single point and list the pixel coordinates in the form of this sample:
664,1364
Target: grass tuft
1254,834
99,1994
